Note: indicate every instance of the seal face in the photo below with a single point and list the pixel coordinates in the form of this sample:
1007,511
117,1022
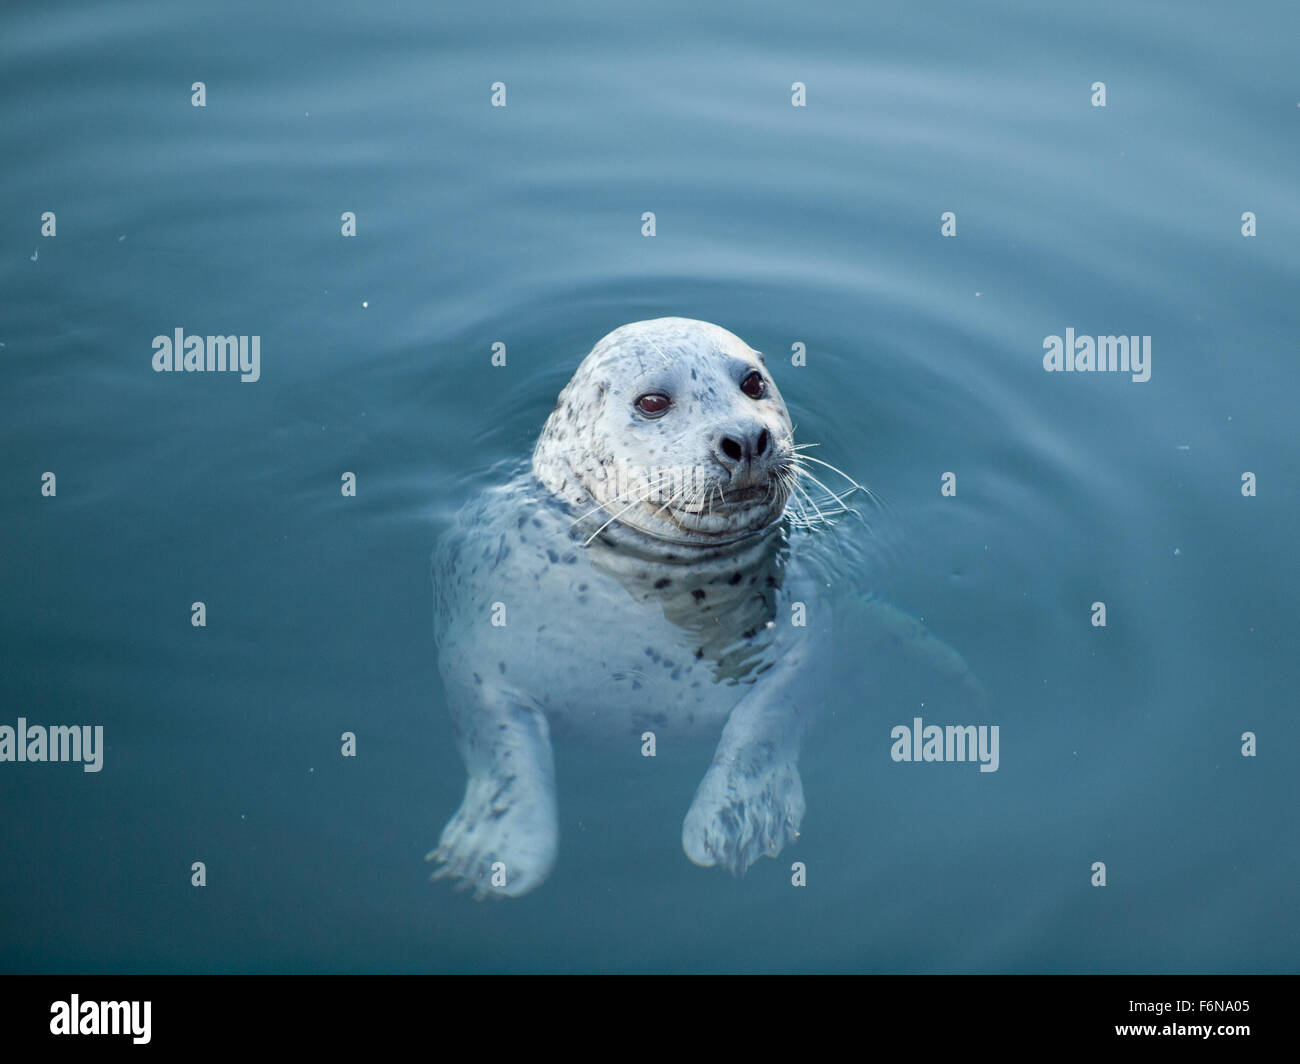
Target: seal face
679,424
638,579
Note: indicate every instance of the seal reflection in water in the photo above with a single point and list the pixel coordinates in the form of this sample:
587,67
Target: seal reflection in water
638,578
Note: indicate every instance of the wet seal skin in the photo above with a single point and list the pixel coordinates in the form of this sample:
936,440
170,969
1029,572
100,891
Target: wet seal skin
639,578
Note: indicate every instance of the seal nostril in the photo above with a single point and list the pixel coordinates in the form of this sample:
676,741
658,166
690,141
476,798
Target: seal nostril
761,446
731,449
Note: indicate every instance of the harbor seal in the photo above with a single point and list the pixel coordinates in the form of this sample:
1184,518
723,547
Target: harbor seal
637,580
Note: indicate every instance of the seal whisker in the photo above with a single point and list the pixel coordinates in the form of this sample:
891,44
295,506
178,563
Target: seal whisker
821,517
835,469
703,498
838,496
629,506
620,497
794,507
839,499
678,494
700,500
872,495
800,514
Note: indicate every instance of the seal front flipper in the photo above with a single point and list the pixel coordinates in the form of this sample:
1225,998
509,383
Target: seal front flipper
750,803
503,839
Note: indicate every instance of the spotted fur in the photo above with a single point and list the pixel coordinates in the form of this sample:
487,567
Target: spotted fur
622,619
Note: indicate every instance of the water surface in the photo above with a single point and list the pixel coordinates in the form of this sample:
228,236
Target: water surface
522,225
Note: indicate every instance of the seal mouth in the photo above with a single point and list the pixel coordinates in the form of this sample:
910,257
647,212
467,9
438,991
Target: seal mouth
728,511
745,493
701,507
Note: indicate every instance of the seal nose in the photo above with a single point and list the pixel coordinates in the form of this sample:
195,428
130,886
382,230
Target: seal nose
738,449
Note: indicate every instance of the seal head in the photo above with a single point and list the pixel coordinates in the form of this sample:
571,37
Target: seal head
673,430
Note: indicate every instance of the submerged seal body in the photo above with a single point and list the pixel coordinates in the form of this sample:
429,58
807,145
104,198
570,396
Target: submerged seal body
651,573
637,579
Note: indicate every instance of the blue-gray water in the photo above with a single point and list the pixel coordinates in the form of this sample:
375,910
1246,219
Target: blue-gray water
522,225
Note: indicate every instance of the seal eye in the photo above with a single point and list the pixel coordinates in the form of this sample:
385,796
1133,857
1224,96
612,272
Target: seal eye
753,385
653,405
